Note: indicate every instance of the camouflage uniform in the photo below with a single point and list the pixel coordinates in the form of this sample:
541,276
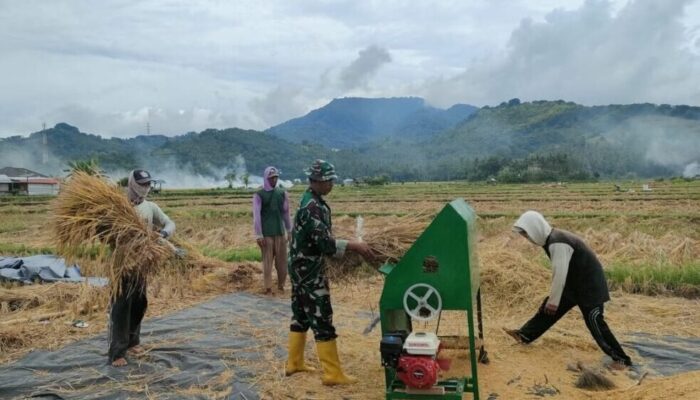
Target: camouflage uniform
312,241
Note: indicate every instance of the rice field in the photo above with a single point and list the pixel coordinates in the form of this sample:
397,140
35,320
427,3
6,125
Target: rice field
648,241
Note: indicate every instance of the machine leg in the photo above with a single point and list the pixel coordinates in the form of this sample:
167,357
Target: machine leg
483,355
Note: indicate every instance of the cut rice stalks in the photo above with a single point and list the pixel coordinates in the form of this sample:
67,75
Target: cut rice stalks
89,210
389,241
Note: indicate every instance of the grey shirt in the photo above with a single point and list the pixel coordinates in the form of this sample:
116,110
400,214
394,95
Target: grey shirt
154,216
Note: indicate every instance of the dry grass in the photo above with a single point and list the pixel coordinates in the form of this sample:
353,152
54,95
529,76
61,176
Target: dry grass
514,281
27,312
40,316
592,379
389,238
91,210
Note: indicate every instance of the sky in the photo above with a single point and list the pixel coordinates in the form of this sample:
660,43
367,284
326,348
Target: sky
112,67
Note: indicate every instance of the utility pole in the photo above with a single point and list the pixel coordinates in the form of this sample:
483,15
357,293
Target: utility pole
148,122
45,140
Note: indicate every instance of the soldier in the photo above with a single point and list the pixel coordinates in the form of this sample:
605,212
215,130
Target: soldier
578,280
312,241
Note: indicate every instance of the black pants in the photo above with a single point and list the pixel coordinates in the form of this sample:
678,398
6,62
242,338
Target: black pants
593,315
128,309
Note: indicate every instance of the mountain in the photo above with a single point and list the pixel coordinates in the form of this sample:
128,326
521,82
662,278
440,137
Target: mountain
351,122
405,140
211,153
611,141
214,150
65,143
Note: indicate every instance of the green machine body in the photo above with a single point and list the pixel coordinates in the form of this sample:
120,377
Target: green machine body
439,272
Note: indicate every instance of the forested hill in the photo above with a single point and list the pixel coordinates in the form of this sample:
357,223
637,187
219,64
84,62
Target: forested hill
211,153
351,122
533,141
527,140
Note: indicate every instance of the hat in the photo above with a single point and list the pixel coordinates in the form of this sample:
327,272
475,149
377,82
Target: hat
321,170
272,171
142,176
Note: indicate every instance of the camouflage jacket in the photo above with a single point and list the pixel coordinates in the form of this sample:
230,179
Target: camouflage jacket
312,239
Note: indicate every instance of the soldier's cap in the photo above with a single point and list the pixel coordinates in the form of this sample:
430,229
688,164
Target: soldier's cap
321,170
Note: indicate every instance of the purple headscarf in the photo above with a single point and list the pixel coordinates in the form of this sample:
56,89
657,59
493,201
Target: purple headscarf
269,173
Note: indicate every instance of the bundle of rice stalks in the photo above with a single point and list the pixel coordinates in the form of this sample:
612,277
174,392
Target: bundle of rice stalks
91,210
389,238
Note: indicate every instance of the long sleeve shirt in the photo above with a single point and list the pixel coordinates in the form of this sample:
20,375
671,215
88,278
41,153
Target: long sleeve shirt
312,239
154,216
560,255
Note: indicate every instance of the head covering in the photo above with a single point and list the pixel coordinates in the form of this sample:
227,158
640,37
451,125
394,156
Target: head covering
321,170
137,193
142,176
269,173
534,225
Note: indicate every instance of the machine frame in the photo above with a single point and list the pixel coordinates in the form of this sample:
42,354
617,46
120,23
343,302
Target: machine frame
443,258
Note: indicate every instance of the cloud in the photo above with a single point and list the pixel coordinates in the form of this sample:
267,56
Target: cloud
285,102
589,55
358,73
223,62
280,104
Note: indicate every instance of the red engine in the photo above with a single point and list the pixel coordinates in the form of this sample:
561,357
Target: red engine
420,372
414,357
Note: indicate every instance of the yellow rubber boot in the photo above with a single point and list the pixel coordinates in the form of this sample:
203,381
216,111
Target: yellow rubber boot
295,358
332,373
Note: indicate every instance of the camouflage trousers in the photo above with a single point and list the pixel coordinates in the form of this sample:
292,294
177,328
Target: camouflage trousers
311,308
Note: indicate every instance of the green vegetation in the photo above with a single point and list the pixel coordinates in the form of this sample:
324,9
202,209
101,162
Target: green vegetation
233,255
24,250
230,178
681,280
533,168
12,226
90,166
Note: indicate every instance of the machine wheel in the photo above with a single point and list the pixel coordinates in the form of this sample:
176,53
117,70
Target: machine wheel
427,299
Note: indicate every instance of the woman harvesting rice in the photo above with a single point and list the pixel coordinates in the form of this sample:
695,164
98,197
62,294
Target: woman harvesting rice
129,305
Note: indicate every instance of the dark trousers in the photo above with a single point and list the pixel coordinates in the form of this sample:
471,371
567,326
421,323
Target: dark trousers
593,315
128,309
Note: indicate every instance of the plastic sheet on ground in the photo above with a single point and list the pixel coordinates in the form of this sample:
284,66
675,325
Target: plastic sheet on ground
200,352
44,268
667,355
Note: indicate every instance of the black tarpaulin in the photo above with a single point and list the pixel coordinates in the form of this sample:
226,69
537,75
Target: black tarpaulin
198,352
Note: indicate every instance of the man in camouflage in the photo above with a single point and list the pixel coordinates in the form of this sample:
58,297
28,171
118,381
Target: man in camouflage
312,241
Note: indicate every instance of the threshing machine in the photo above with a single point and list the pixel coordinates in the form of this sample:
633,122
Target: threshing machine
439,272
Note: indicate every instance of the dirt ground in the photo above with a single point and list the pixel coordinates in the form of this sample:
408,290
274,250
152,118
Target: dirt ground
515,371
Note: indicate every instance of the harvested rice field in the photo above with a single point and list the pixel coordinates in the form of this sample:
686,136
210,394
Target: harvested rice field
648,241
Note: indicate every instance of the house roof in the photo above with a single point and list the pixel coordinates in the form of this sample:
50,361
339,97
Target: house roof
5,179
19,172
